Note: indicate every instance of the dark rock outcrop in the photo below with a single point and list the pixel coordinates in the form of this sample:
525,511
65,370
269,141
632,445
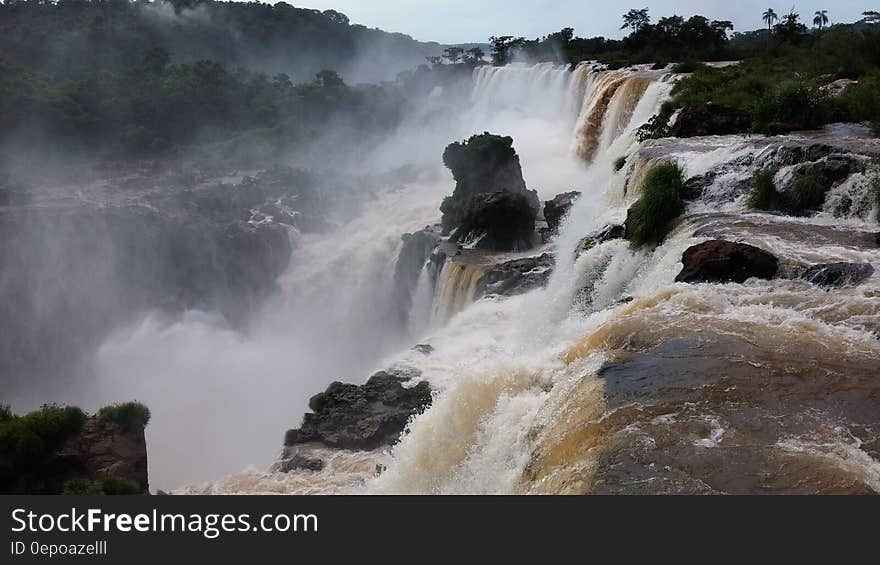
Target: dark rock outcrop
483,164
361,416
834,275
710,119
516,277
498,221
424,348
719,261
793,153
607,233
557,209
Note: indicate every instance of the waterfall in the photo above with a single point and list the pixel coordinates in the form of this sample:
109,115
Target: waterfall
456,289
562,390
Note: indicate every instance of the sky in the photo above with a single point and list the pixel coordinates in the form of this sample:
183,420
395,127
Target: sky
462,21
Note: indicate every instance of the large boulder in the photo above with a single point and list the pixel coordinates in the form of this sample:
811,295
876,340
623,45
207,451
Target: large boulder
710,119
557,209
484,163
720,261
517,276
361,416
498,221
833,275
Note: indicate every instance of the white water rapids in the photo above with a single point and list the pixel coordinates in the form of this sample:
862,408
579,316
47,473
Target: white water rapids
512,376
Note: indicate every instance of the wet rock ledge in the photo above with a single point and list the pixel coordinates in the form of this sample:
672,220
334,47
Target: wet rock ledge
367,416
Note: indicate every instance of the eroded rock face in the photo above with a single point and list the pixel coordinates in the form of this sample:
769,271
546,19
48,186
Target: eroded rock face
720,261
498,221
557,209
103,449
417,249
516,277
483,164
97,266
835,275
361,416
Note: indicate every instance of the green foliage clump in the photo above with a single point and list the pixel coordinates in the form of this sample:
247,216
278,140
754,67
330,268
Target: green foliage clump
131,417
763,195
661,202
291,436
619,163
860,102
781,85
807,192
794,104
586,244
422,391
28,445
108,485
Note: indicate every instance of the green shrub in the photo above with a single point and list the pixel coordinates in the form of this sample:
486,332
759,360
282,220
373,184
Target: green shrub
108,485
860,102
793,104
619,163
131,417
658,125
291,437
647,220
763,195
28,445
807,192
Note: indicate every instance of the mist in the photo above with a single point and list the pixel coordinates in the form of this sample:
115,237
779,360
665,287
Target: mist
206,207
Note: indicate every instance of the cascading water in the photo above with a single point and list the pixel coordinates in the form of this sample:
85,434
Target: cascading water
334,316
613,378
457,289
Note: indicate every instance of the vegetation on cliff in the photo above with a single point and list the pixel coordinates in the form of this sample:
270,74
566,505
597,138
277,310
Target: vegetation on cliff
60,449
784,80
787,81
763,195
131,417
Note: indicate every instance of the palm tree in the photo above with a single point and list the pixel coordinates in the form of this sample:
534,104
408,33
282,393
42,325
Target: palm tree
821,19
769,18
